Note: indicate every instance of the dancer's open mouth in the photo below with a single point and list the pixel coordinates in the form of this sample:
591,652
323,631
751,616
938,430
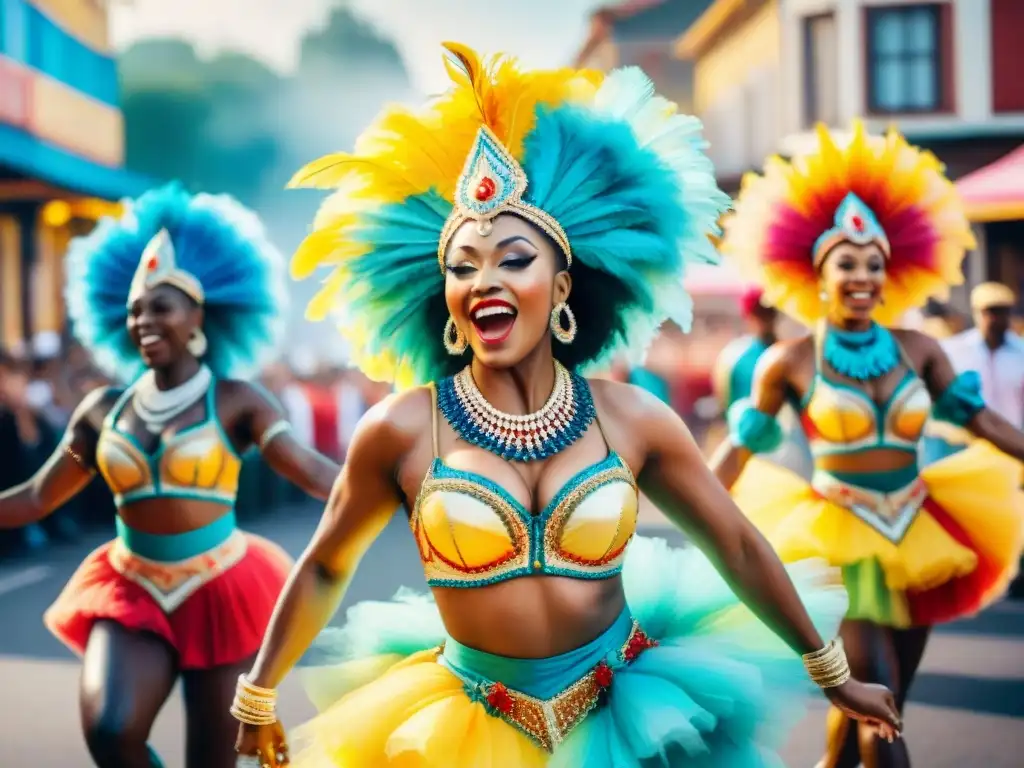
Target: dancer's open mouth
493,320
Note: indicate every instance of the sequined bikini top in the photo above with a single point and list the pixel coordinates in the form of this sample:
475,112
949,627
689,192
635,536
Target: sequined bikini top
471,532
197,462
840,418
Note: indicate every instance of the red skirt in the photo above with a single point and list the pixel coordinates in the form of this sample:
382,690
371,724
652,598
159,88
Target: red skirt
221,623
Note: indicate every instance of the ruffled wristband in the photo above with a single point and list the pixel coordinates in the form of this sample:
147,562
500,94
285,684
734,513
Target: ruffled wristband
753,429
961,400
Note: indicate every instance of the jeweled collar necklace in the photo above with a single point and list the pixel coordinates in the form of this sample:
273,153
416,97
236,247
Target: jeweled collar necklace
560,422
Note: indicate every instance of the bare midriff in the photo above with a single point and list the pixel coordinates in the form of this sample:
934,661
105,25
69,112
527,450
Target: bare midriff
531,617
878,460
167,516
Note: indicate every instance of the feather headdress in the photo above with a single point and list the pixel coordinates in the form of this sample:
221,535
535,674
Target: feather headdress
610,166
878,189
210,247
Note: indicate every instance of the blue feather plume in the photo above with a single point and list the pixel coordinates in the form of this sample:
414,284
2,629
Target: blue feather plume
217,240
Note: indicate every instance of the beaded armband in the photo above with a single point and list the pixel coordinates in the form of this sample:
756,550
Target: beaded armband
68,449
753,429
961,400
828,667
273,431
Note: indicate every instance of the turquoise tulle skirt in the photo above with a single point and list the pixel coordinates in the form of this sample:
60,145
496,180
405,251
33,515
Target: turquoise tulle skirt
687,676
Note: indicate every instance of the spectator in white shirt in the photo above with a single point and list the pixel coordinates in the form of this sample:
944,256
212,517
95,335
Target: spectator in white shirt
996,353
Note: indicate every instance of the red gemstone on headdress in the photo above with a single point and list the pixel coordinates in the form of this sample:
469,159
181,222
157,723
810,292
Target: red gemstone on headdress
485,189
153,263
858,223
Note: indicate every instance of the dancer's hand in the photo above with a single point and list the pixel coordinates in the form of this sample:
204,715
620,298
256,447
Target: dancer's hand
262,746
872,704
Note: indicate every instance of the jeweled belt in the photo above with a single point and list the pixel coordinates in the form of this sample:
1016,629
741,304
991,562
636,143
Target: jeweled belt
171,584
890,513
548,721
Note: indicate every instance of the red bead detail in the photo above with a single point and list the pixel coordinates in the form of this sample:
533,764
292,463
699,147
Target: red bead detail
858,223
152,264
499,698
637,644
603,675
485,189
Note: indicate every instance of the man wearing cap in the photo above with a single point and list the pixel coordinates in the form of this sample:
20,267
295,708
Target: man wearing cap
996,353
733,376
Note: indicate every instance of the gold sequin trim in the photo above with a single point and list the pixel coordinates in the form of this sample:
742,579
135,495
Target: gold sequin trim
549,721
436,567
564,511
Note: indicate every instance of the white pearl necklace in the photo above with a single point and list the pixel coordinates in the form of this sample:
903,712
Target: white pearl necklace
512,430
156,407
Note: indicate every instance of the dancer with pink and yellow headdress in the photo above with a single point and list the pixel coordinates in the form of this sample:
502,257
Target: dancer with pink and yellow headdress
846,239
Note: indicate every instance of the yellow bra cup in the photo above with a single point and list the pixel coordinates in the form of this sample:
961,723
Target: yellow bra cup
465,530
600,525
910,416
120,465
199,459
840,417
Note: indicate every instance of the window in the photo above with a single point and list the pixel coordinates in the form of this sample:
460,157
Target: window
905,67
821,75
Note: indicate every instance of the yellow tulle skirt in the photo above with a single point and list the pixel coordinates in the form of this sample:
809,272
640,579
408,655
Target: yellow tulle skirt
716,689
958,555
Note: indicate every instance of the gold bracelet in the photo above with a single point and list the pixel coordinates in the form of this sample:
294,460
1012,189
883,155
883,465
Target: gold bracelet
76,457
255,690
254,705
828,667
249,719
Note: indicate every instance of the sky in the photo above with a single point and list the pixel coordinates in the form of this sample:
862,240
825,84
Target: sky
540,32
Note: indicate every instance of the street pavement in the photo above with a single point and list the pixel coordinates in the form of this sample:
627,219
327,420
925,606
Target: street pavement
966,709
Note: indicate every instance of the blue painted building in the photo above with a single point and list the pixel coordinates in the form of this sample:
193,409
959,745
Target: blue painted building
61,150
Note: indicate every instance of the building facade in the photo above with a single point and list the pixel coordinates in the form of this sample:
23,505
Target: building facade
736,49
946,73
61,151
642,33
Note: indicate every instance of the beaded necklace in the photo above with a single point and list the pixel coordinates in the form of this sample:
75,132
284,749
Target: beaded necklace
559,423
861,355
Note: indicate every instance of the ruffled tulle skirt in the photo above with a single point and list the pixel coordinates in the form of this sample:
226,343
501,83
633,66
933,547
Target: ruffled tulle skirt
221,622
712,687
958,555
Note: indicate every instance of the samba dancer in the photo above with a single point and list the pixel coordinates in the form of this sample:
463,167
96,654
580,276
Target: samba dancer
847,239
524,225
182,297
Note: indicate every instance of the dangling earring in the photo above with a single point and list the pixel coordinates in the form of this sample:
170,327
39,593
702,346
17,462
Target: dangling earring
455,341
564,335
197,343
823,294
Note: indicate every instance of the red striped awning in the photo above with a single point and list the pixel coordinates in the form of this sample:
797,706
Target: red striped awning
995,192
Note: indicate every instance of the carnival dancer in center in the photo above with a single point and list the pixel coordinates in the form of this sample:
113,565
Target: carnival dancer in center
847,239
523,225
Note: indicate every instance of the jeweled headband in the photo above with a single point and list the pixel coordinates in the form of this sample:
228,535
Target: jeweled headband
854,223
159,266
493,183
858,188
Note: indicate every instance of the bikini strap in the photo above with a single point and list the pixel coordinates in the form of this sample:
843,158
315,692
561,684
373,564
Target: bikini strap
119,405
819,346
904,356
434,428
597,423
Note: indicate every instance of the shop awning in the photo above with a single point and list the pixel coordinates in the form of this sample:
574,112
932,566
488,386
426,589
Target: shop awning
37,158
720,280
995,192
